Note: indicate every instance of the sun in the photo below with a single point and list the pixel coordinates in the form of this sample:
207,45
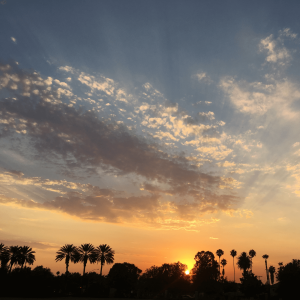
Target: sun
187,272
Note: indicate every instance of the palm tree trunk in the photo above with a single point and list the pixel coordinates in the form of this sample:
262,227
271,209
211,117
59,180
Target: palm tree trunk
67,268
101,269
233,269
84,264
267,271
11,264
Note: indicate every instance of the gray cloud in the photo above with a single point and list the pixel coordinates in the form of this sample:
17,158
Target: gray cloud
82,140
58,129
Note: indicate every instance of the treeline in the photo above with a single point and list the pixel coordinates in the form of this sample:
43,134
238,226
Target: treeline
125,280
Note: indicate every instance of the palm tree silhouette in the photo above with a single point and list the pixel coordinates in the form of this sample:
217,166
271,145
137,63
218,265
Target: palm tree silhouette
252,253
86,252
233,254
244,262
265,257
67,252
4,255
14,253
26,256
223,263
105,255
219,253
272,271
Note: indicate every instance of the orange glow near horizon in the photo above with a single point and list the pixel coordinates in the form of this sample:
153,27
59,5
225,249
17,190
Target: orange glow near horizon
187,272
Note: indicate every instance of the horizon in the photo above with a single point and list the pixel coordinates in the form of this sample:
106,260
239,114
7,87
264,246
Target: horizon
159,128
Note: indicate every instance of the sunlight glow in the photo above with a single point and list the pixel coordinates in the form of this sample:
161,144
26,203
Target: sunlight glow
187,272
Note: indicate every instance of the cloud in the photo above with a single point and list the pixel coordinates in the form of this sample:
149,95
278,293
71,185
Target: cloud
33,245
101,84
258,98
202,77
67,69
104,205
276,52
63,84
275,92
78,139
226,164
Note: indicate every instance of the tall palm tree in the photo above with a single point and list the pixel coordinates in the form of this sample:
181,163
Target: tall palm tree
67,252
105,255
244,262
272,272
265,257
86,252
233,254
26,256
14,253
219,253
4,256
252,253
223,263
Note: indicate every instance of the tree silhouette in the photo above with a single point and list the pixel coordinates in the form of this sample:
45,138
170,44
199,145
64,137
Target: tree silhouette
14,252
168,276
272,272
233,254
67,252
265,257
252,253
4,256
223,263
244,263
219,253
85,253
105,255
123,277
205,271
288,277
26,256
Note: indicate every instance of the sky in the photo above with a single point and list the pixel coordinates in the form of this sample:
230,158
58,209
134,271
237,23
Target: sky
160,128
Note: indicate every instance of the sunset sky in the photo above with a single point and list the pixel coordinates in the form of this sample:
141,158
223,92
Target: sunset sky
161,128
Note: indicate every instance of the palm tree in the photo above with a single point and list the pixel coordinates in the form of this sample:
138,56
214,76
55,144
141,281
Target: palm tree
265,257
26,256
244,262
86,252
252,253
272,271
4,256
105,255
14,253
67,252
233,254
223,263
219,253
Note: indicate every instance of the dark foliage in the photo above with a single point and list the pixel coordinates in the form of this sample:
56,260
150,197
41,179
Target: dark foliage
124,278
251,285
229,286
206,272
288,277
171,277
41,283
244,263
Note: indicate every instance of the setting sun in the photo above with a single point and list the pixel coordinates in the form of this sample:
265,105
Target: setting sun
187,272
